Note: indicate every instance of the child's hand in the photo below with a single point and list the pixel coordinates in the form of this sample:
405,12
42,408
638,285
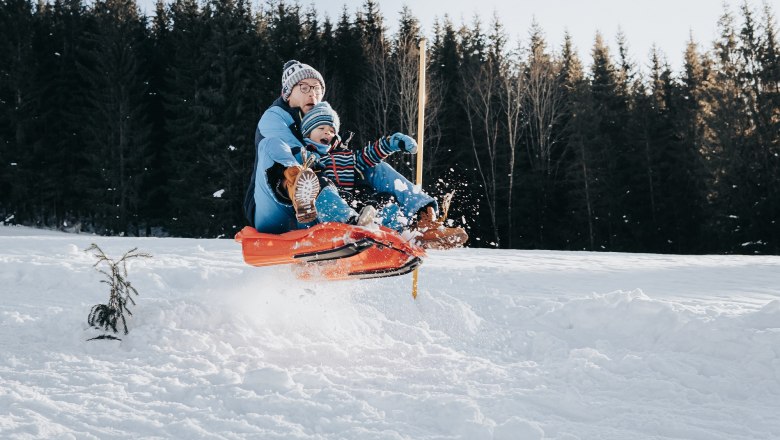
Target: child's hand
401,142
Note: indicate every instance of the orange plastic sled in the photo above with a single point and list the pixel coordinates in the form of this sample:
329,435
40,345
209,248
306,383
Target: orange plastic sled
333,251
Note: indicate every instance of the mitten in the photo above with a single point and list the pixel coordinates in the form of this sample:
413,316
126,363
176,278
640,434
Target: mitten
400,142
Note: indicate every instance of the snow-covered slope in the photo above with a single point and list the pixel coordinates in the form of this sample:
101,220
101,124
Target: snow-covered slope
498,345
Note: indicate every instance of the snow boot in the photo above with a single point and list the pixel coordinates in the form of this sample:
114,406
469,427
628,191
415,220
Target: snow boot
433,234
303,186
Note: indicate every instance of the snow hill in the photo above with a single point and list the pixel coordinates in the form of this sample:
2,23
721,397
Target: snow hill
498,345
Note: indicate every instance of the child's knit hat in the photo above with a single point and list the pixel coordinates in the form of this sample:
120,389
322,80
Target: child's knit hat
320,114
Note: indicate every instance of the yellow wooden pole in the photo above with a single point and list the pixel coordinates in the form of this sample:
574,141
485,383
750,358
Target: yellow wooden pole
420,133
421,115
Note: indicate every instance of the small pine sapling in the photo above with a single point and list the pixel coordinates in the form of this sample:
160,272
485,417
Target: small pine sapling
109,315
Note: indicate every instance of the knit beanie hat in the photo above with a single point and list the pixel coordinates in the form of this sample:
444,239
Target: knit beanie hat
295,71
321,114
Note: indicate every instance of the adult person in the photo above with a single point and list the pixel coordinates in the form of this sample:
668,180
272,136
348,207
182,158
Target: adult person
268,204
284,192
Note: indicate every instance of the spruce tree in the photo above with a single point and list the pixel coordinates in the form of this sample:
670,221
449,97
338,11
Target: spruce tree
213,112
64,110
284,34
118,129
377,82
769,78
671,196
445,62
403,61
226,150
543,106
155,203
186,119
312,46
346,69
266,85
480,82
605,149
694,132
759,59
727,146
579,182
19,140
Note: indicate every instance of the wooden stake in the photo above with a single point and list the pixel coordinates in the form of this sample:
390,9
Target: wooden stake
420,133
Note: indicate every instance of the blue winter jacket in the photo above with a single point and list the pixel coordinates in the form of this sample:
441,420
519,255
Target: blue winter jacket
276,142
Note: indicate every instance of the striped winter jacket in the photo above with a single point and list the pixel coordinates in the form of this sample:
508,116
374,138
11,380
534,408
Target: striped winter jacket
344,166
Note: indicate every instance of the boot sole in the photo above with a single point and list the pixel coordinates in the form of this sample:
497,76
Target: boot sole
307,187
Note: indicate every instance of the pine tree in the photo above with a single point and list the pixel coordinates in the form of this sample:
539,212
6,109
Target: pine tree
670,194
513,89
225,151
311,47
346,71
118,130
327,51
579,163
403,71
266,86
727,148
284,34
481,82
769,78
186,119
691,130
606,149
628,165
445,62
543,106
405,59
378,82
20,151
121,291
155,202
635,168
212,148
759,180
63,110
443,58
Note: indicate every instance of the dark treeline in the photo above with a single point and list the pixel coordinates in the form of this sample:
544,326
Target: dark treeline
118,123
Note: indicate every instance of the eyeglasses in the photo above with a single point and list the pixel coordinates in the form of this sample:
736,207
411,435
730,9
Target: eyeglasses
306,88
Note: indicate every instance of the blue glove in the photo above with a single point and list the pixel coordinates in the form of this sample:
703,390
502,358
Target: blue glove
402,142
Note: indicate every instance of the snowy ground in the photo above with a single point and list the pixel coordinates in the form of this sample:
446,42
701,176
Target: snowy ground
499,345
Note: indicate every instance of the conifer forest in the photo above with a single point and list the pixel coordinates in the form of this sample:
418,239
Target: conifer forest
117,122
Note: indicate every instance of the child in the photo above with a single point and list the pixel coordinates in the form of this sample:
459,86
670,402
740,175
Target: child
362,177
